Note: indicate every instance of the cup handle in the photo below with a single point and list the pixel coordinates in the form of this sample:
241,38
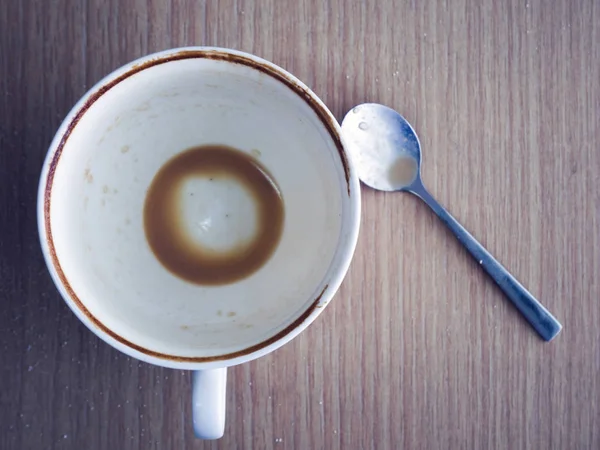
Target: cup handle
208,402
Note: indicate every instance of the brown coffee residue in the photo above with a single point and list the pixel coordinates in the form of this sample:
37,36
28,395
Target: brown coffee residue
87,174
403,172
166,234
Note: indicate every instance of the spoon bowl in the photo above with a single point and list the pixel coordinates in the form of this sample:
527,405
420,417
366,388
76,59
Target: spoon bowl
383,146
387,155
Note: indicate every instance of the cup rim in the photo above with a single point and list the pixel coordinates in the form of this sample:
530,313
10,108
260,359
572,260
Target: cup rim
345,249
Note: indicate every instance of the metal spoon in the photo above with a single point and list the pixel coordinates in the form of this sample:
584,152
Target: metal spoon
387,156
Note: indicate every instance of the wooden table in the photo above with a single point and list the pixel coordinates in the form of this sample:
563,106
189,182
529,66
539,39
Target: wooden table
419,349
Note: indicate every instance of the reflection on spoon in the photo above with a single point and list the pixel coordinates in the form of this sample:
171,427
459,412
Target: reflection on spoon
387,156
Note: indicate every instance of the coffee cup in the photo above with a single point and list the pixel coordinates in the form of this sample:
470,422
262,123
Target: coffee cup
95,227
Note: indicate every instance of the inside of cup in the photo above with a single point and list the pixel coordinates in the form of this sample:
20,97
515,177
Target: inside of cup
108,163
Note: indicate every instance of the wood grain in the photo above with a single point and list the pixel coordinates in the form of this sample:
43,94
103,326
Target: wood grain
419,349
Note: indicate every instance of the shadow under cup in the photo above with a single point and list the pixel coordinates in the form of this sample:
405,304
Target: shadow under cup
103,161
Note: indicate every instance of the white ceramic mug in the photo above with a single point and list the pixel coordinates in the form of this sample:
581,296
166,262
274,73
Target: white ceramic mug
92,191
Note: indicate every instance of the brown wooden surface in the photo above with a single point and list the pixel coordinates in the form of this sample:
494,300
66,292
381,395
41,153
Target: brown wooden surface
419,349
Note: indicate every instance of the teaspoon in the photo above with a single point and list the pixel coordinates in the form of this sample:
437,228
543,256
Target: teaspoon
387,155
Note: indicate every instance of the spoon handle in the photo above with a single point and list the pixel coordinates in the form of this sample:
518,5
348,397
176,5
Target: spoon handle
539,317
